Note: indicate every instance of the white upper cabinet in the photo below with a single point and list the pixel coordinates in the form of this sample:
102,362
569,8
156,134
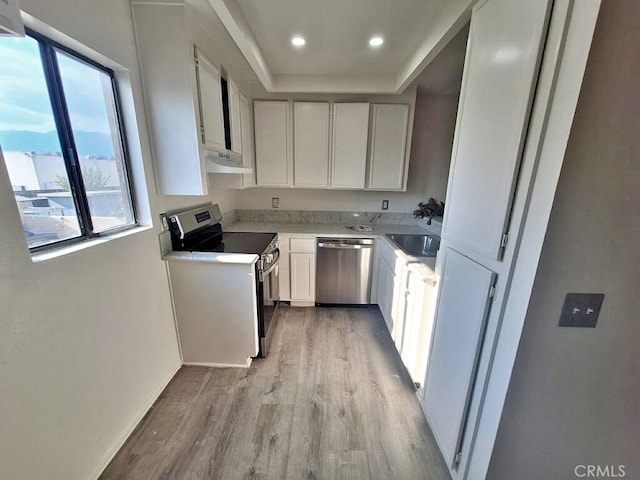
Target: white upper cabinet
497,90
305,147
210,102
246,127
183,95
350,139
272,138
388,153
234,116
311,144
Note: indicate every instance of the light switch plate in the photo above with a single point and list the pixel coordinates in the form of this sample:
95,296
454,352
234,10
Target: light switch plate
385,204
581,309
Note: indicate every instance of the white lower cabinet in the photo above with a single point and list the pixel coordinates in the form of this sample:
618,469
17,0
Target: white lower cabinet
419,316
298,269
406,293
303,277
385,292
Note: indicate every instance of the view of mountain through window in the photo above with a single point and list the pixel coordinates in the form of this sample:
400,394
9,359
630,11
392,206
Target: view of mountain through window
61,195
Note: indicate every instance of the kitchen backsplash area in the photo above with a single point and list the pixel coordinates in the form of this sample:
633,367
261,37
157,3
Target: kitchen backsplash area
315,217
332,217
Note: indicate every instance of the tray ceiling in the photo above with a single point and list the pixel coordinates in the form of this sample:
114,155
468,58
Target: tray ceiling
337,57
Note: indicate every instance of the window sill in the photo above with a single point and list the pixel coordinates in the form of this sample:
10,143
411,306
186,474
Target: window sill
76,247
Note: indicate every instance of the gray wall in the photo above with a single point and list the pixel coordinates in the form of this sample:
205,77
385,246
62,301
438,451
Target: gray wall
575,393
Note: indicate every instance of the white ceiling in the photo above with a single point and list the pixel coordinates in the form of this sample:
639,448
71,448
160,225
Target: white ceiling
337,57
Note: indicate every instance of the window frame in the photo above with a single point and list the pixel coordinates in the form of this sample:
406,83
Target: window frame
53,79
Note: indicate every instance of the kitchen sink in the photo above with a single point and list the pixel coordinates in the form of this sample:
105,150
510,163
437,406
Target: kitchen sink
416,245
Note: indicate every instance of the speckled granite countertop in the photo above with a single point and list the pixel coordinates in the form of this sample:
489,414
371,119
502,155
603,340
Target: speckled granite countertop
311,229
212,257
332,230
323,229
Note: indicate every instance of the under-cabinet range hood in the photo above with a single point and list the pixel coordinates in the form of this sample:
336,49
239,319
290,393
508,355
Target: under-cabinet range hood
217,162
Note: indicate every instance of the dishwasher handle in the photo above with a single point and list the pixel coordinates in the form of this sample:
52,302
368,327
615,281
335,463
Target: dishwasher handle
345,243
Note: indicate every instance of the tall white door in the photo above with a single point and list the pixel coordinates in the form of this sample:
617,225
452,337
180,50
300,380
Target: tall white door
503,56
460,322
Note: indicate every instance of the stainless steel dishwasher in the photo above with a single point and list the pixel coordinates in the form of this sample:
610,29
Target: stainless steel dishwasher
343,270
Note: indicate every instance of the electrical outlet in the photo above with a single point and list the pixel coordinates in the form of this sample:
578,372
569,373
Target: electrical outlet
581,309
385,204
275,202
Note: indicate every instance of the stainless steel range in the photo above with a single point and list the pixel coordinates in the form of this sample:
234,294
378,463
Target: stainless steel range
199,230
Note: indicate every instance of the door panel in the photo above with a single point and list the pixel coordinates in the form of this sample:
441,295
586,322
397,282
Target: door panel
460,323
505,45
311,144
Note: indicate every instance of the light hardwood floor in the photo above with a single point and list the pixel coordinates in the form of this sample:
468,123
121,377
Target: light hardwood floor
331,401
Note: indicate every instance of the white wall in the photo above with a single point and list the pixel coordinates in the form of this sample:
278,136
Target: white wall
87,340
574,393
434,125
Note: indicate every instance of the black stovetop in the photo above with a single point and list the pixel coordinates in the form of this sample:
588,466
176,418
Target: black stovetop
212,239
238,242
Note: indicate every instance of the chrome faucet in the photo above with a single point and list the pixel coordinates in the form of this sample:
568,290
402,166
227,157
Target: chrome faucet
440,210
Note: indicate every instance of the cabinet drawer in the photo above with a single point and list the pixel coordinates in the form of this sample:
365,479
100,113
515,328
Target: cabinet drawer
304,245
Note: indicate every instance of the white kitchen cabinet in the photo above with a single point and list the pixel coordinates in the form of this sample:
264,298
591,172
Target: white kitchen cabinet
388,159
349,149
303,277
241,180
210,102
234,116
311,144
284,271
385,292
248,157
492,121
302,270
460,323
391,288
419,312
272,141
183,95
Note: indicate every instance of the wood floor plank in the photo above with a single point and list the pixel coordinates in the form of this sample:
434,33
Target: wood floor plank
331,401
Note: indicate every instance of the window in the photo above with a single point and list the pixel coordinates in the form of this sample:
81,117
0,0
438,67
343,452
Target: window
62,142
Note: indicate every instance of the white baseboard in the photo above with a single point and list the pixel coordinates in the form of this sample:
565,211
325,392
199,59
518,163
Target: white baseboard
128,431
302,304
221,365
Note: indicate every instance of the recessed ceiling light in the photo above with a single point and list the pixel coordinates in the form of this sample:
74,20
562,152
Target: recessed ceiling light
376,41
298,41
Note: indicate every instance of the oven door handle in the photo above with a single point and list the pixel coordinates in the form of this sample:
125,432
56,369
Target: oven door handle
274,264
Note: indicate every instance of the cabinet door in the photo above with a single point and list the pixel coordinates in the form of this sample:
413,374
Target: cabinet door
234,116
350,137
303,276
285,270
210,97
419,323
388,147
385,292
503,56
246,128
271,122
460,324
311,144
